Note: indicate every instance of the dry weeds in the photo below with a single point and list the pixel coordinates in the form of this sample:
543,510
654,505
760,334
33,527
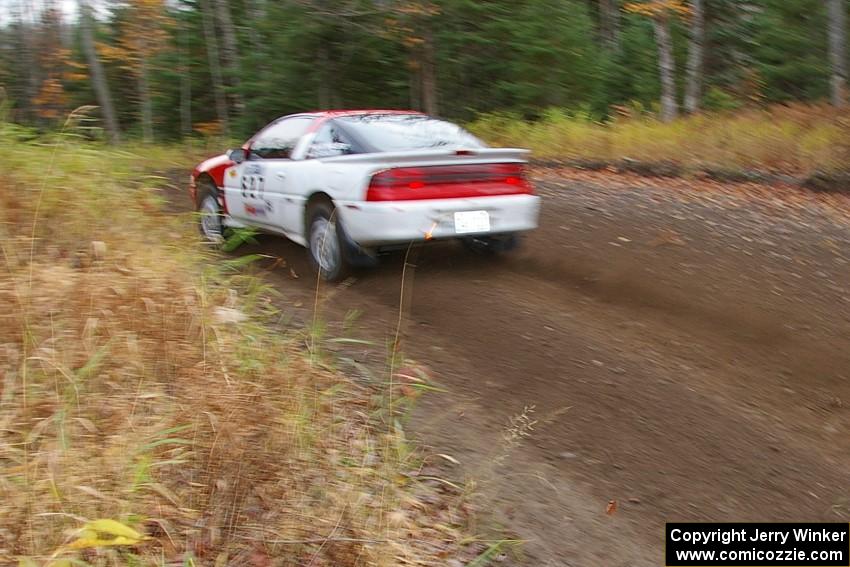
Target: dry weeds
124,394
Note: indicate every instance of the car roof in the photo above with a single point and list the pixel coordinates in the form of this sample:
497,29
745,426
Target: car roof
323,115
335,113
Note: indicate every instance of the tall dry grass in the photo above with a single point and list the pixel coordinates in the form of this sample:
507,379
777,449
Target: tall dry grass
797,139
139,382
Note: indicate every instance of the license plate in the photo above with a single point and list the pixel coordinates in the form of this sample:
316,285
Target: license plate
472,221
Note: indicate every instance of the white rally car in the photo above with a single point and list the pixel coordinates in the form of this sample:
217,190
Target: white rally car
349,184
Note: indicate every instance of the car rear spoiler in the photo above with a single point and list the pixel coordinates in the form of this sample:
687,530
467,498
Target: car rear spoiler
472,155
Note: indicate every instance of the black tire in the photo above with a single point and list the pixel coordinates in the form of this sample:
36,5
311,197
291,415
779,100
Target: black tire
326,245
210,217
491,245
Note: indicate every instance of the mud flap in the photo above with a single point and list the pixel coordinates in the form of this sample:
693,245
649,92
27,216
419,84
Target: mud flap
356,255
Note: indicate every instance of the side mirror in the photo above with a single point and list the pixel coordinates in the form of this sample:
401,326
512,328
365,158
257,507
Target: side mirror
329,150
236,155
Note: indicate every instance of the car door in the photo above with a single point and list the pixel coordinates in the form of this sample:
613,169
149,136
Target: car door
259,189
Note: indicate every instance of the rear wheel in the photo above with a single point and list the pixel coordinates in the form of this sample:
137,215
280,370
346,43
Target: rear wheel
211,220
325,242
491,245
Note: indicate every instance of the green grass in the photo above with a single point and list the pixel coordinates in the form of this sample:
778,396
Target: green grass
789,139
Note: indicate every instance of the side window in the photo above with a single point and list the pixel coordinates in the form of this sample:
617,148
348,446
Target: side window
278,140
330,141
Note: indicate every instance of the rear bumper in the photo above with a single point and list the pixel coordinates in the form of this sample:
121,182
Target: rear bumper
395,222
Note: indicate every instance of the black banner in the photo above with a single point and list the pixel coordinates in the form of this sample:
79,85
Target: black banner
758,545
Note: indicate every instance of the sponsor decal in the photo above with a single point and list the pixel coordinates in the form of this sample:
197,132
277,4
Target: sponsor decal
253,182
261,210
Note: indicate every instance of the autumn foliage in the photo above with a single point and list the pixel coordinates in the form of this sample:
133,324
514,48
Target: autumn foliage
659,8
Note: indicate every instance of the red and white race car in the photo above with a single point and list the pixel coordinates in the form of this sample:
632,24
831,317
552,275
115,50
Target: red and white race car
349,184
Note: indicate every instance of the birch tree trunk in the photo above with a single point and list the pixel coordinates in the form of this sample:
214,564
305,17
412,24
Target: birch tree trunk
693,88
838,51
666,68
230,52
215,67
98,77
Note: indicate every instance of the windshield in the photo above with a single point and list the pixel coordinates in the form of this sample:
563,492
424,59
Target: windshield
402,132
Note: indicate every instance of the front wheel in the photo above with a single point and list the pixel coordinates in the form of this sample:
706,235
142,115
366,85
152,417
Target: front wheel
211,219
325,242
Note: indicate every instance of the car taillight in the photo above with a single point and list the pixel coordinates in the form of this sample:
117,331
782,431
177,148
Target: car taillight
449,181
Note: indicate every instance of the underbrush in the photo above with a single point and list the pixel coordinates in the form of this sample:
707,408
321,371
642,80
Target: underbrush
140,383
796,139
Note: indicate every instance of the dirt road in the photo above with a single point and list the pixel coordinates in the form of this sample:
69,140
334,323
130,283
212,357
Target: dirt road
684,349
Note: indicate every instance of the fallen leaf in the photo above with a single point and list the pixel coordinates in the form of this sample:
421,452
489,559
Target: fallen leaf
105,533
111,527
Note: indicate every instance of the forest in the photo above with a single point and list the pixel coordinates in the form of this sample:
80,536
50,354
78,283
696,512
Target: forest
162,70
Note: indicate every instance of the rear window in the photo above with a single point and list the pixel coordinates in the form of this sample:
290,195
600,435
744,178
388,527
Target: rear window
402,132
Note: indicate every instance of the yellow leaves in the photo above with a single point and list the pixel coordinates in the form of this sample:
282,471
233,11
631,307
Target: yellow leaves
212,128
50,100
109,52
418,8
142,34
28,562
659,8
104,533
407,19
94,534
76,77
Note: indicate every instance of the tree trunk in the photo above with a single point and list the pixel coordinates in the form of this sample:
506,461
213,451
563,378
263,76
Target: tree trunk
609,23
98,77
257,13
666,68
215,67
838,51
185,87
429,75
230,52
33,65
145,102
415,84
693,89
25,84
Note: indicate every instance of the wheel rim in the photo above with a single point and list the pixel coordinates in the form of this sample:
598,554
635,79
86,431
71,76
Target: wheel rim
211,219
324,245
